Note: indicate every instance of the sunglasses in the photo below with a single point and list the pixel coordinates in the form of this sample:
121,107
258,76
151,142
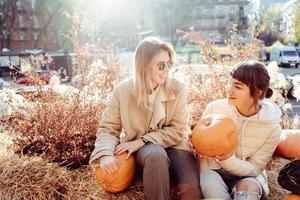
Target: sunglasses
162,65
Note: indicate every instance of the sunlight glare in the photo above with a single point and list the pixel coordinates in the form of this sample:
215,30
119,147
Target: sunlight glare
107,8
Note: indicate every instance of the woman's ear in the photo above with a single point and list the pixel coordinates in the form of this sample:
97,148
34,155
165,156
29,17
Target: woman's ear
259,94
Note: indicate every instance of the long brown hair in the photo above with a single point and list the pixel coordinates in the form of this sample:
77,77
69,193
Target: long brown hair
144,53
255,75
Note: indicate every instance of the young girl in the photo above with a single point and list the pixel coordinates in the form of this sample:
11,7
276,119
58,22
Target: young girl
147,117
242,175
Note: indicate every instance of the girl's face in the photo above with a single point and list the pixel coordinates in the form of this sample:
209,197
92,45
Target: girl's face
238,94
159,68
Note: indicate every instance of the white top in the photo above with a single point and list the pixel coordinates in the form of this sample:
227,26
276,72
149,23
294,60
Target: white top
151,98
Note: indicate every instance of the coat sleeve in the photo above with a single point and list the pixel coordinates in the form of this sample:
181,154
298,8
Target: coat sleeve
109,130
255,164
208,110
173,133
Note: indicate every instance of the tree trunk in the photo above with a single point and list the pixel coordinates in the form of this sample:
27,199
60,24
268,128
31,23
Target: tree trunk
47,24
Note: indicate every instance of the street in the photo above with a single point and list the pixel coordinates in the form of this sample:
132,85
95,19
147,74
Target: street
289,71
296,106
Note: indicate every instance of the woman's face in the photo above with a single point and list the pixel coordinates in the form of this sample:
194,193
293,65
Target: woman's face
238,94
159,68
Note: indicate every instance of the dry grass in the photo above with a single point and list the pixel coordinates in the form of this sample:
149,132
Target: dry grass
31,178
85,187
273,168
36,179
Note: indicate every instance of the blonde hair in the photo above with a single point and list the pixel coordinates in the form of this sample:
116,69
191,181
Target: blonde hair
144,53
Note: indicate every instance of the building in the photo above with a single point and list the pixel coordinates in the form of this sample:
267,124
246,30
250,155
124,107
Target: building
208,17
219,16
271,3
23,27
288,12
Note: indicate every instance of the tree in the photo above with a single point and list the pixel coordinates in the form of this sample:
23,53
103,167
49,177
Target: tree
8,22
269,19
44,13
58,15
297,24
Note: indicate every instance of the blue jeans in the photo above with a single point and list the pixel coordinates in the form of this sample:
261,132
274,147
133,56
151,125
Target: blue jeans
217,185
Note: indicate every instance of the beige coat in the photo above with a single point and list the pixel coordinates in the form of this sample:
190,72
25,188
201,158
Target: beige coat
124,121
258,138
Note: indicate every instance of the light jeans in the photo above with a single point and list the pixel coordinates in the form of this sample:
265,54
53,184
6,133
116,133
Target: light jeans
213,186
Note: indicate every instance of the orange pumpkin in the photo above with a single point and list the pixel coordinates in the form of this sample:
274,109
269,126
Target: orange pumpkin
289,146
292,197
215,135
121,179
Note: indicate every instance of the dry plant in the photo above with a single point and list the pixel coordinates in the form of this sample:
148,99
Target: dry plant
208,81
61,126
58,127
88,70
244,48
203,88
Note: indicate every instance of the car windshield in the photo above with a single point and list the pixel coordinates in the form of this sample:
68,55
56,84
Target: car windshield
290,53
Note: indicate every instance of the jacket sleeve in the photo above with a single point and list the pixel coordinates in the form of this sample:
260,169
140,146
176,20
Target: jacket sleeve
208,110
109,130
255,164
173,133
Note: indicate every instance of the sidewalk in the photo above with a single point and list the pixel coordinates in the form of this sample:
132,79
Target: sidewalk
4,81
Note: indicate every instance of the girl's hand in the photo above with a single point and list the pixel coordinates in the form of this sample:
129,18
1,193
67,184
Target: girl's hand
221,158
130,147
218,158
109,164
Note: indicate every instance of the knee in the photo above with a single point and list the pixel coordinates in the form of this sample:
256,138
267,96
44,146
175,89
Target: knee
207,178
157,158
188,191
245,185
210,183
156,165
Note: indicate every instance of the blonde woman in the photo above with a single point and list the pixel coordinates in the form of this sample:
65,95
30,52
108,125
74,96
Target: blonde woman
147,117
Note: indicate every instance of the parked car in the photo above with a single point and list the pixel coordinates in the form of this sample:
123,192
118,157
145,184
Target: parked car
285,56
298,50
44,77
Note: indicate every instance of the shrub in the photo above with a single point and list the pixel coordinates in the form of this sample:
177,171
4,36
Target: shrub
61,122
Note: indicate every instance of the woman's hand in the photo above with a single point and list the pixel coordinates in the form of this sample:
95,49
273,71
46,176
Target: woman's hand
130,147
192,147
109,164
